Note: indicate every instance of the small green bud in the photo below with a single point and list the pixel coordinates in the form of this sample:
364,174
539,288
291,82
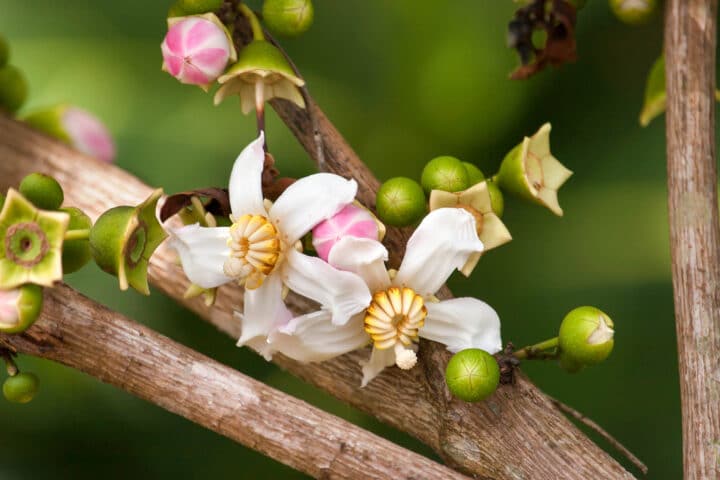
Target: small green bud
445,173
475,175
633,12
42,190
13,88
76,253
4,51
472,375
20,307
496,198
288,17
586,336
21,388
400,202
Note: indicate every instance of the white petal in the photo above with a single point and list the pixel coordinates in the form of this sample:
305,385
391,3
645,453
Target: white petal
313,337
364,257
343,294
264,311
443,242
308,202
203,252
245,188
379,359
463,323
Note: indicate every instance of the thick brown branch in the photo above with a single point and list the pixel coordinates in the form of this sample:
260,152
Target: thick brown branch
690,41
516,434
82,334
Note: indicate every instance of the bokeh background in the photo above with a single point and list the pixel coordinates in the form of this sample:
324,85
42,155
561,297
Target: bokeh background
404,81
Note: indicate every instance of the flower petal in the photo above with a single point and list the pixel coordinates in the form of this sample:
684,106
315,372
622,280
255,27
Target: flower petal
342,293
443,242
203,252
245,187
314,338
463,323
364,257
264,312
379,359
308,202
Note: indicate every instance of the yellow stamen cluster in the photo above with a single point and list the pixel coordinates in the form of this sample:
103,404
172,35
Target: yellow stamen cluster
395,316
254,250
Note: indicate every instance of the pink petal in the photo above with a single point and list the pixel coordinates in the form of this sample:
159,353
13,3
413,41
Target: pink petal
88,134
193,75
351,221
174,39
173,64
213,59
199,33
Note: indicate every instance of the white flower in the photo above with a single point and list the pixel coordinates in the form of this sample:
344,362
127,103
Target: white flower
403,307
258,250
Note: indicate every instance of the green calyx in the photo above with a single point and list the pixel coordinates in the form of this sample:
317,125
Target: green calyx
21,388
13,88
472,375
445,173
124,238
42,190
20,307
31,242
400,202
288,17
76,253
183,8
586,336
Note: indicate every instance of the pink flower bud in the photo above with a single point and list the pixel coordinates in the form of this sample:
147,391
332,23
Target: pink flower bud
351,221
88,134
196,49
9,314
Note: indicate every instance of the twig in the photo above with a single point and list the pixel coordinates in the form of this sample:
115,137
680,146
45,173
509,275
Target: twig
82,334
602,432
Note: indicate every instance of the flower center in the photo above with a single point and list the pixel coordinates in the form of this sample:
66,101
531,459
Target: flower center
135,246
254,250
26,244
393,319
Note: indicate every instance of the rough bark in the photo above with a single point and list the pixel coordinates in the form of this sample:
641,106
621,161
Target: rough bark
690,41
516,434
82,334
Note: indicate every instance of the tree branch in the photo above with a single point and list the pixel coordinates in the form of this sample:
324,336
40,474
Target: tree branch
690,41
516,434
82,334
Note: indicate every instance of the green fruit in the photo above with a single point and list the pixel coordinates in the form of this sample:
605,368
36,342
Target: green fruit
288,17
496,198
633,12
28,305
586,336
4,51
472,375
42,190
400,202
21,388
475,175
568,364
76,253
13,88
445,173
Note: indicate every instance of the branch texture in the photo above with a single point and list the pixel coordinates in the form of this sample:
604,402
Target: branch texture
82,334
516,434
690,42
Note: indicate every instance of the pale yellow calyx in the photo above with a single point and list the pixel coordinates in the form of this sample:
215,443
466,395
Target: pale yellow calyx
603,333
394,319
543,172
254,250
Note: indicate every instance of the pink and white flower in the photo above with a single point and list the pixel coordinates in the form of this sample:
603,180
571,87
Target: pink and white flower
196,49
259,250
88,134
403,306
353,221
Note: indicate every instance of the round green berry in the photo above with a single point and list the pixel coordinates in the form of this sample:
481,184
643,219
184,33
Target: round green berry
472,375
633,12
13,88
586,336
288,17
496,198
444,173
42,190
21,388
568,364
400,202
23,307
76,253
475,175
4,51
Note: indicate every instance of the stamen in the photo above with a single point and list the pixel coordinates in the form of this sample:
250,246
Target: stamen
393,319
254,250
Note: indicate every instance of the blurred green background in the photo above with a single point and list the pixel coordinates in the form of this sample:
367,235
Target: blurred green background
404,81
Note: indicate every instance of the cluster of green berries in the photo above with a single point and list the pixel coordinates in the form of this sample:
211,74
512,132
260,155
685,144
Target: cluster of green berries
13,86
402,201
